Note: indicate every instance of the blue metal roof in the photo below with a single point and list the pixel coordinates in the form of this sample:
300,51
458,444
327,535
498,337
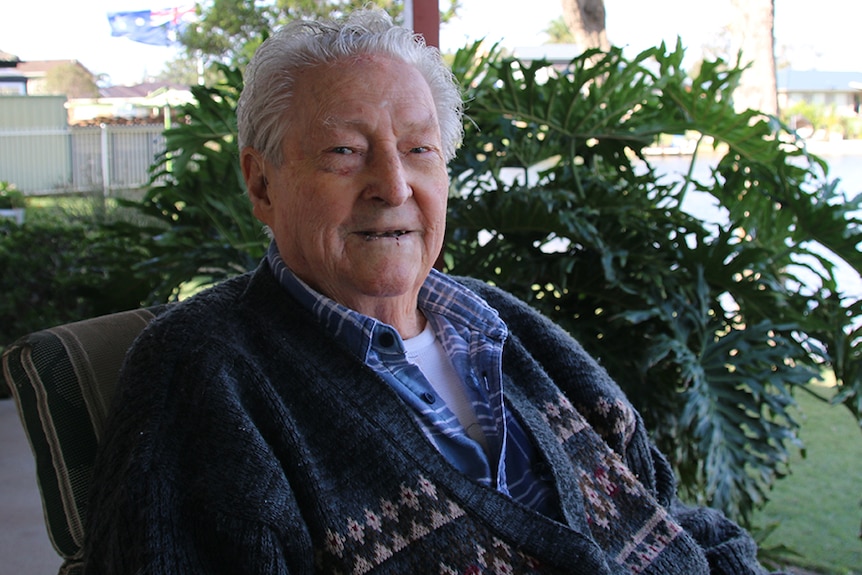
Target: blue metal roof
818,81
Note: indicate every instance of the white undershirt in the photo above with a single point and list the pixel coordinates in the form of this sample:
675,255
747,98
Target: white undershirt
426,352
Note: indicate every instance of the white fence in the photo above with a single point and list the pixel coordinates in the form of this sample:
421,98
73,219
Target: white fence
101,158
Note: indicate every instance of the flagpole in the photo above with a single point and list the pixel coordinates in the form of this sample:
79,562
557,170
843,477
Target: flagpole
200,65
408,14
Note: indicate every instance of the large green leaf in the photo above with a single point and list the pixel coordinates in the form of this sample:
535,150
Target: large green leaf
207,230
709,327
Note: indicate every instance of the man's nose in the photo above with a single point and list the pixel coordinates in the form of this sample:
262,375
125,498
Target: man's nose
389,178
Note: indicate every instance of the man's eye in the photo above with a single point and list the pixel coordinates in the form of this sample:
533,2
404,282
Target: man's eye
419,150
343,150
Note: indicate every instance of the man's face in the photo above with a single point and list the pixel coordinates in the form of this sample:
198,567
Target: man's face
358,206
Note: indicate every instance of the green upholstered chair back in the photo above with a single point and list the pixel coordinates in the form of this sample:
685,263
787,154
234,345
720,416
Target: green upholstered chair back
62,380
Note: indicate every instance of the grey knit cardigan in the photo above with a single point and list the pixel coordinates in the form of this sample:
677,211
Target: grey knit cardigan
243,439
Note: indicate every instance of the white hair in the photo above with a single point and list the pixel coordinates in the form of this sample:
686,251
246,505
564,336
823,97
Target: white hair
271,74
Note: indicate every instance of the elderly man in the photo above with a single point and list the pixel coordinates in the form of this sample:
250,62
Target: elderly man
345,408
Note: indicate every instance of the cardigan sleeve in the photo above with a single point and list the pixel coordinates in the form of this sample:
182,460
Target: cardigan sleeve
729,549
185,481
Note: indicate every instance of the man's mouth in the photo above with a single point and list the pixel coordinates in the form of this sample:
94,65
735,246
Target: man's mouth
371,236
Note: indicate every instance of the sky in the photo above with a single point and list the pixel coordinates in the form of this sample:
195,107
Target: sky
821,38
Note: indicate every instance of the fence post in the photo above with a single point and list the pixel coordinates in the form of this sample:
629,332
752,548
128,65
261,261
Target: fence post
106,166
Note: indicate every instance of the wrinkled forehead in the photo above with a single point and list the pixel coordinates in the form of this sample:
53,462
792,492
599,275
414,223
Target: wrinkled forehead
353,92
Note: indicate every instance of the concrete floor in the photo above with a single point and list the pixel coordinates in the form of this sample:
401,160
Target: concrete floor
24,545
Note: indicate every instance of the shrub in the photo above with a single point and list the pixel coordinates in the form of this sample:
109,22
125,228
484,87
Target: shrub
10,197
56,273
708,328
203,229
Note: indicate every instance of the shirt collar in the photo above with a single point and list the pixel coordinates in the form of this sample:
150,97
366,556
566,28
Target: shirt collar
439,294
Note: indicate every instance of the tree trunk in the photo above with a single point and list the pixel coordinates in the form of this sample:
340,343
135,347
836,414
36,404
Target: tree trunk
753,31
586,20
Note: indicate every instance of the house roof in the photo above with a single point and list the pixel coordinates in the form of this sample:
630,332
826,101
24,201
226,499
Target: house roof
554,53
818,81
154,94
38,68
8,60
140,90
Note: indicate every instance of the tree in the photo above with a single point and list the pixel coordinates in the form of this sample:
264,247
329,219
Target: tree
181,70
751,36
559,33
229,31
71,79
586,20
753,33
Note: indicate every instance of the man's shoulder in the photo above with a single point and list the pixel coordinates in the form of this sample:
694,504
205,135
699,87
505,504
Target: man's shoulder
511,308
215,303
487,291
219,312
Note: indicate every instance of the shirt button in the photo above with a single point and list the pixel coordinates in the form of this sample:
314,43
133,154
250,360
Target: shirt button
386,339
428,397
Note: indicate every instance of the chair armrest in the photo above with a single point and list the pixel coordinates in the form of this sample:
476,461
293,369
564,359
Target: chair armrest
62,380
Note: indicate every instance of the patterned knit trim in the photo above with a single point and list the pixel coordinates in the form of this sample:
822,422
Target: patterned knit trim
613,420
500,559
648,542
390,527
623,517
363,544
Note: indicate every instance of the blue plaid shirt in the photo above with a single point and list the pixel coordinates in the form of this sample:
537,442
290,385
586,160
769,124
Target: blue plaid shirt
472,334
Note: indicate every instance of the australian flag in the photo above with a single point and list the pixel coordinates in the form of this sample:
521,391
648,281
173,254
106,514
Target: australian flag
154,27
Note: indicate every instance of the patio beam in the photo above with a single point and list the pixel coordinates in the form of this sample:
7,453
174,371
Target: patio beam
423,17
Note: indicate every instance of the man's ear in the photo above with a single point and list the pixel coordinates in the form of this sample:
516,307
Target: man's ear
254,166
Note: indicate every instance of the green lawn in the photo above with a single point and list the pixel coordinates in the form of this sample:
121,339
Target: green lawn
819,506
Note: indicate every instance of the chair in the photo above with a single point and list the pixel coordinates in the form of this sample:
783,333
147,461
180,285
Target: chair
62,380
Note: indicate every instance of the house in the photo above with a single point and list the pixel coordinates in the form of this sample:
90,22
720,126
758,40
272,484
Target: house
839,91
34,74
11,80
56,142
86,102
559,55
141,102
